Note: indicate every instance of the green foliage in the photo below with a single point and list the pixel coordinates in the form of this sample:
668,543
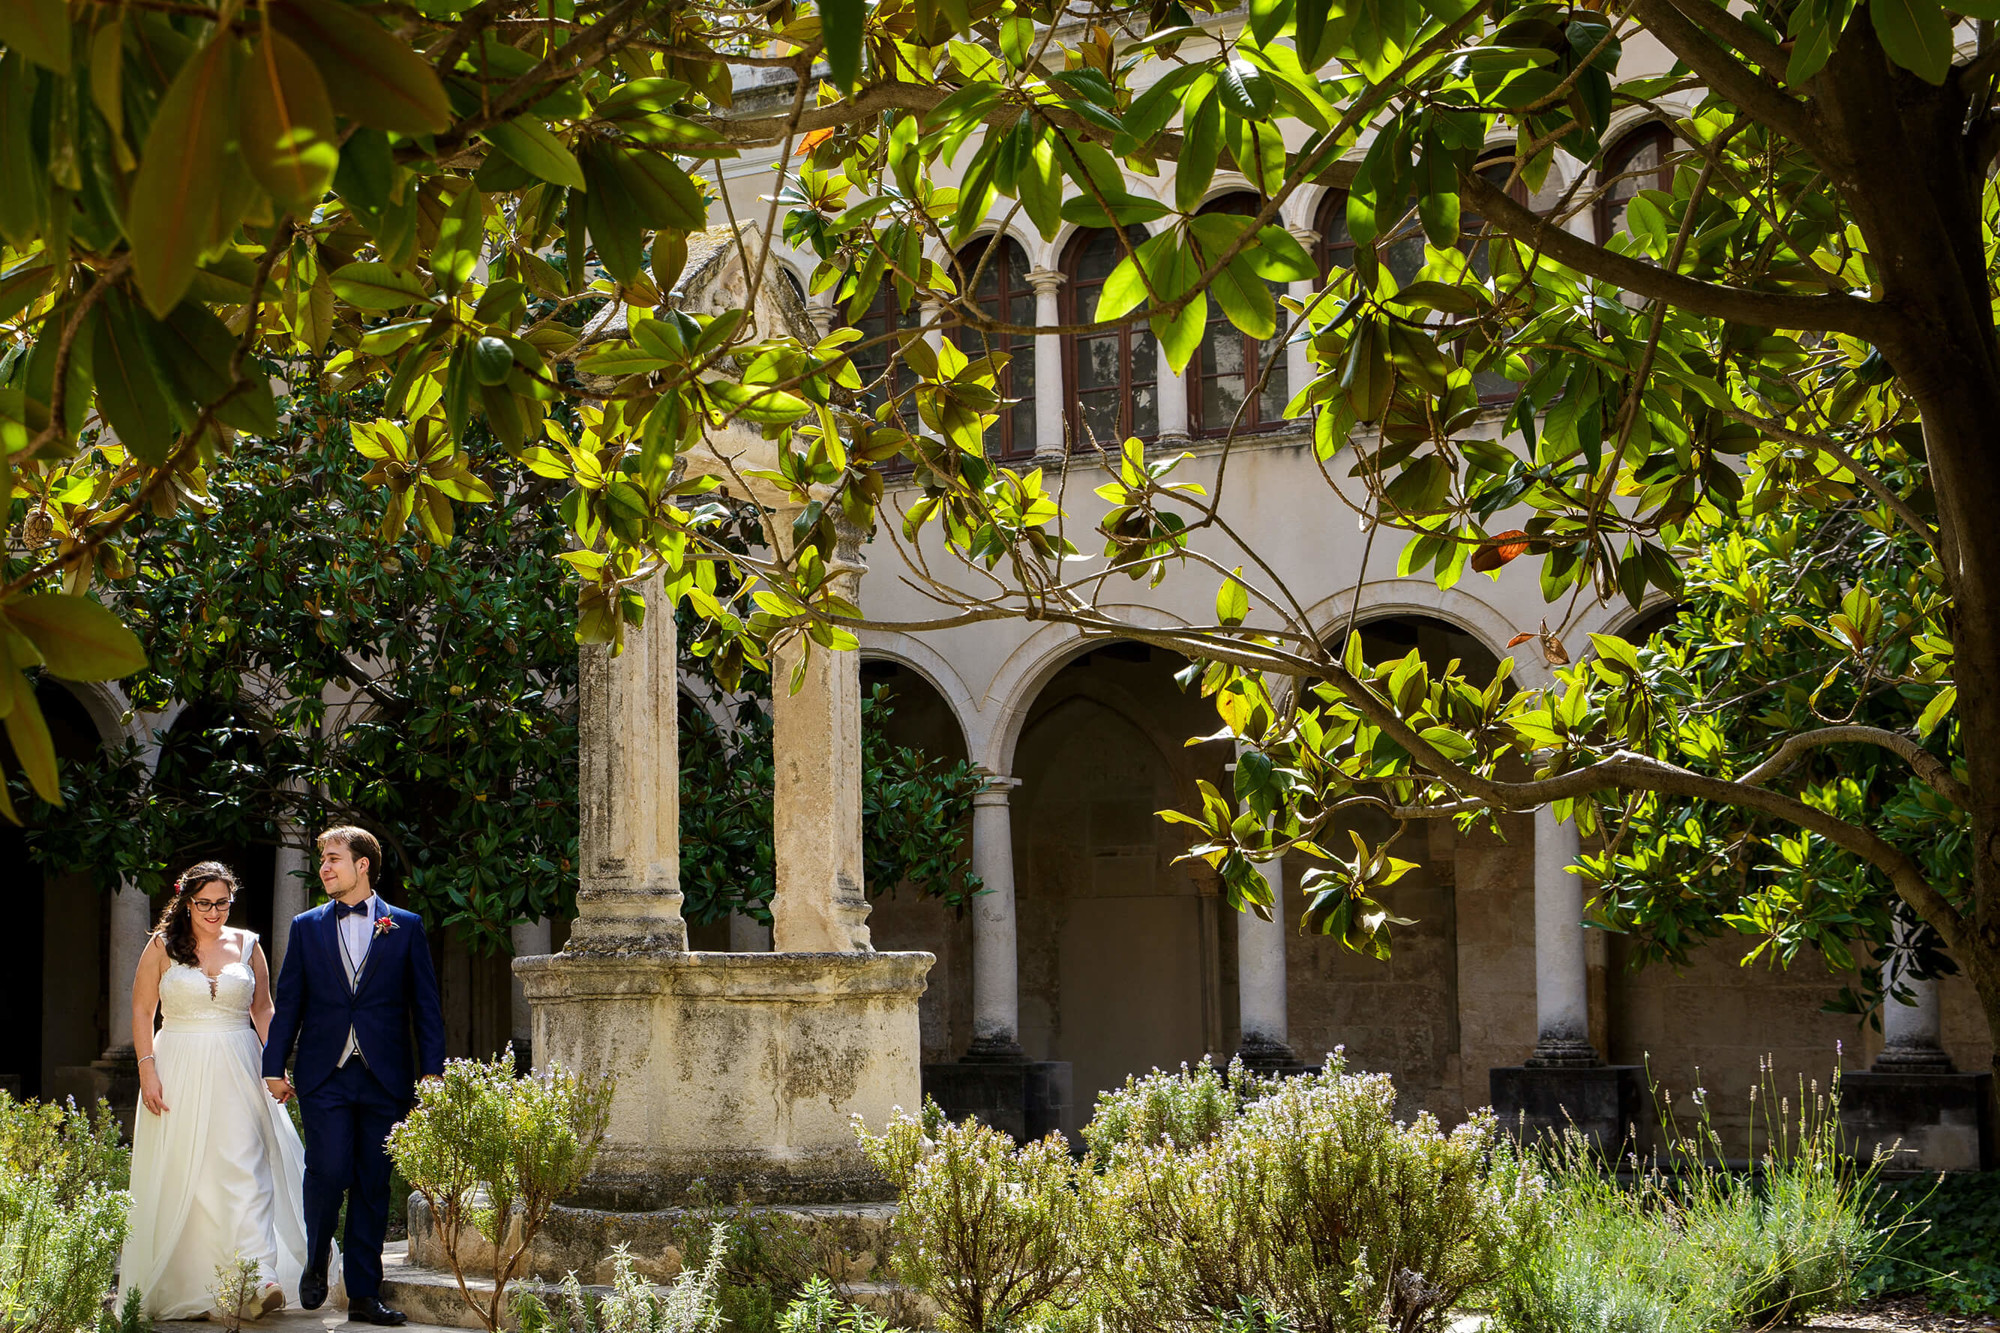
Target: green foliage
129,1317
62,1215
819,1309
766,1256
73,1151
995,1234
235,1291
486,1145
1945,1242
1690,1246
688,1305
1300,1204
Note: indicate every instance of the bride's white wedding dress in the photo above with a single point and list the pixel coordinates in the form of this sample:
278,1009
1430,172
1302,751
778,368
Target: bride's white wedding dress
221,1172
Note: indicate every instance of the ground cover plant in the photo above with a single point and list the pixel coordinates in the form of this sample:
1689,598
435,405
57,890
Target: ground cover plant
1947,1242
1678,1242
63,1177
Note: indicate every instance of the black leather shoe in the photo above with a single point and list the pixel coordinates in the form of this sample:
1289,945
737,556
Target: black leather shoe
312,1286
372,1311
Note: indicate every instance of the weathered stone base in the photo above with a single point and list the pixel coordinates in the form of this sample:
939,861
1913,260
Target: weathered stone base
1271,1058
1931,1122
1603,1102
847,1242
1028,1099
741,1070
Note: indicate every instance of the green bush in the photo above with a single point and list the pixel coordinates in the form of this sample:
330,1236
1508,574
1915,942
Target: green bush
819,1309
767,1257
491,1149
1211,1200
62,1215
1690,1246
1946,1245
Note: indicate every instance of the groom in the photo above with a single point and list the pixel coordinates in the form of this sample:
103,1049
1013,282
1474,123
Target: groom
356,978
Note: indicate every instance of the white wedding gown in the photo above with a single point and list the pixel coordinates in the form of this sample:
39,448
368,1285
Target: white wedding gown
221,1171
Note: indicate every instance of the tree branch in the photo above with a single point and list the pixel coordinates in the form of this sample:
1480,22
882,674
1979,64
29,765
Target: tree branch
1727,75
1785,310
1927,766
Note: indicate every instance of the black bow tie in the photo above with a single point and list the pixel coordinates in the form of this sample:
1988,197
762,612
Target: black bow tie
341,909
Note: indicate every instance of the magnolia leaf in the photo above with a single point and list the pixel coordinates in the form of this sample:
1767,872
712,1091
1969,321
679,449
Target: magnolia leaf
39,30
528,141
841,22
129,396
33,747
285,124
1916,34
79,639
180,175
374,78
373,286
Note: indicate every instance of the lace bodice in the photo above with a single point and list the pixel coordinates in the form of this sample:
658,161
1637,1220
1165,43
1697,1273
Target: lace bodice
188,1003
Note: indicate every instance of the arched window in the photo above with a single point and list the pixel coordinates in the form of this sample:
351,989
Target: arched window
1638,161
871,354
1403,252
1231,363
998,274
1112,374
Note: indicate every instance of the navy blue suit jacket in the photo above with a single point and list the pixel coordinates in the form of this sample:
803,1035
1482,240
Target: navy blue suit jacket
316,1007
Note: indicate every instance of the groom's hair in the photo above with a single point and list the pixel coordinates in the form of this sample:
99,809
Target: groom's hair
359,843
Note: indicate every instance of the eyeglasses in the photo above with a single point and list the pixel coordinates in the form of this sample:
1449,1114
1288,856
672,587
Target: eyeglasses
210,908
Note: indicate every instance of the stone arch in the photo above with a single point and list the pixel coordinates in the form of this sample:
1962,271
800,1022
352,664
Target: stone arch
1383,598
1029,668
913,653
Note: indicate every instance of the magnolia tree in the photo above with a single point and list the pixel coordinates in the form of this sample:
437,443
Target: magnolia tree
1783,370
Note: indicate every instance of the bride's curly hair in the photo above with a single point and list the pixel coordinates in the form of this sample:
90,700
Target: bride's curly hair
176,928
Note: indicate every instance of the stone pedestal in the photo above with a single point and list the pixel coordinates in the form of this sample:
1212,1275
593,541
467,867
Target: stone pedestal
1029,1099
1604,1102
112,1077
743,1070
1922,1121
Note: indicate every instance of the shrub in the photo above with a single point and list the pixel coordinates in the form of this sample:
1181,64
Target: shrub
1690,1246
1311,1206
130,1316
235,1290
62,1215
767,1257
687,1306
487,1146
989,1231
1212,1200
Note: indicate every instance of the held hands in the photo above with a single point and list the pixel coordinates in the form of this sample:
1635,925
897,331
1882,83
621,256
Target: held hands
280,1090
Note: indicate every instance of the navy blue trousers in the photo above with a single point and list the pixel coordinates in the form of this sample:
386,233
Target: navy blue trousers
347,1120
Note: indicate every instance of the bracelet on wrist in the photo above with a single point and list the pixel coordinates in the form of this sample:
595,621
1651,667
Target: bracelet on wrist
144,1058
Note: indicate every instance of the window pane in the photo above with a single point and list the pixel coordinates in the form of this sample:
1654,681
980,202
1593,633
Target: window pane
1220,398
1097,362
1100,420
1145,412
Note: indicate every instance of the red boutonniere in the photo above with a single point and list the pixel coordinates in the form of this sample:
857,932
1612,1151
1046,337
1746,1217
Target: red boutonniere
383,925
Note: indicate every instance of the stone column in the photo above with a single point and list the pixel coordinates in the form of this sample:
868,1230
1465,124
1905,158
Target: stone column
996,980
531,939
823,316
821,903
289,896
1173,398
628,895
131,925
1260,977
1562,986
1298,357
1912,1031
1051,430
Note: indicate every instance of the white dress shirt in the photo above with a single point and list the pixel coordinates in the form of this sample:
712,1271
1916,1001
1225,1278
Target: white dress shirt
357,932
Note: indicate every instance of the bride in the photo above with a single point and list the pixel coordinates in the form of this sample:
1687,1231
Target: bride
216,1164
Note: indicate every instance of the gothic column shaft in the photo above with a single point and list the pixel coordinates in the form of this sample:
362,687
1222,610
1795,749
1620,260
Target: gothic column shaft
131,924
289,896
1260,969
821,905
1172,397
1050,428
1299,357
996,982
629,887
1562,988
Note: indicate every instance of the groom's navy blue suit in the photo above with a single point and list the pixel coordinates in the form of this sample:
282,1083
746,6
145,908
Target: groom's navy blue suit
349,1110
